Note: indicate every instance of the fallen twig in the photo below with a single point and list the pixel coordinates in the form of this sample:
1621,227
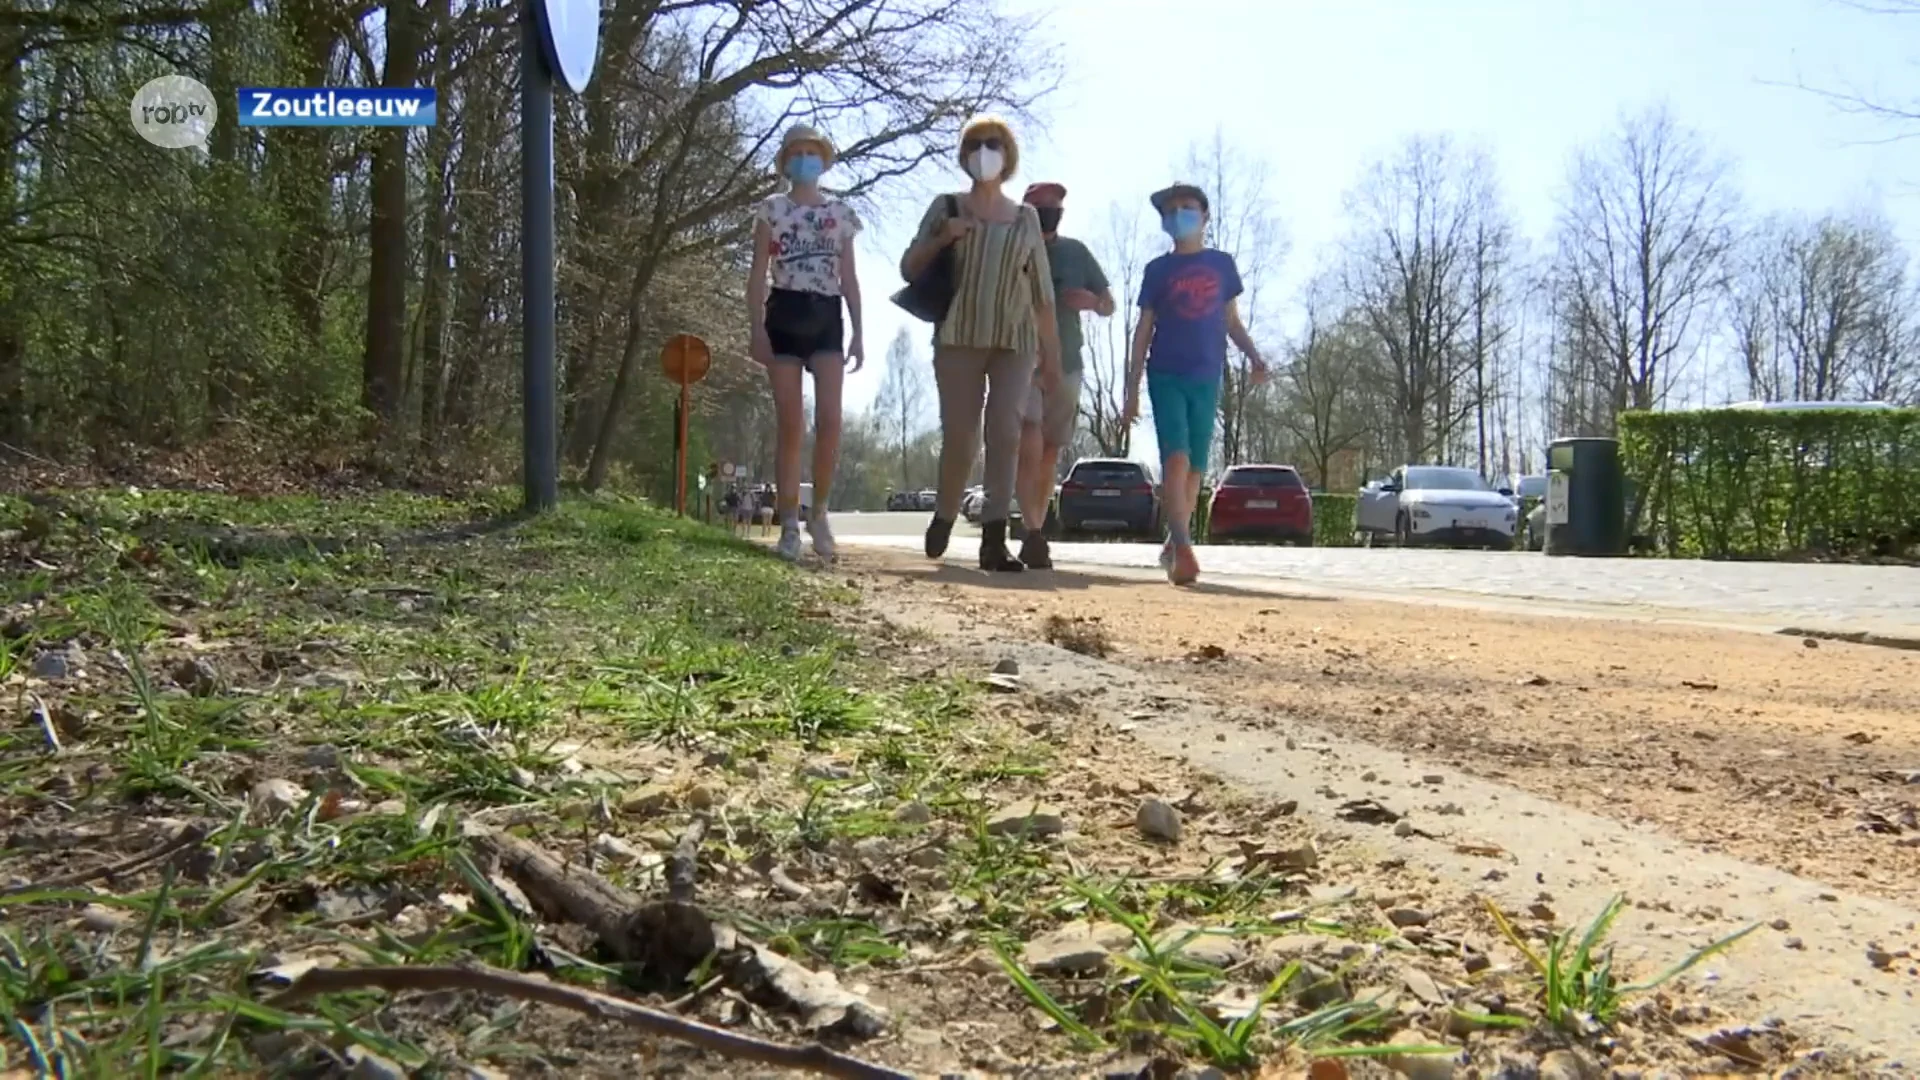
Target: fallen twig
813,1057
186,838
684,1001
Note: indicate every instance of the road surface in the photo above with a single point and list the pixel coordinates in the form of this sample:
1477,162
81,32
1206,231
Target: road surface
1881,599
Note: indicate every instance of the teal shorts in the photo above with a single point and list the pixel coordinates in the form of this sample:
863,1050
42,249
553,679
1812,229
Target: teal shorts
1184,408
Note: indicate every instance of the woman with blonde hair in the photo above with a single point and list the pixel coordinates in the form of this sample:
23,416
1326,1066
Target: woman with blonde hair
803,248
999,326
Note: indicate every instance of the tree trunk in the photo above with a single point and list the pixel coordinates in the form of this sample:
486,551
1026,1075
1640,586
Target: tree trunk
382,384
433,290
598,199
617,394
13,374
305,173
223,32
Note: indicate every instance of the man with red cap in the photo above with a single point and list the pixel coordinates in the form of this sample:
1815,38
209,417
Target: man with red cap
1078,285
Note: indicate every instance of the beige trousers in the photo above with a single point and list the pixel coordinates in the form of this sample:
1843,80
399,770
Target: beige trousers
967,379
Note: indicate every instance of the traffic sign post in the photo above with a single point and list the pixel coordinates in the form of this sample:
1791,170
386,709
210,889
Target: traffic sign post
684,359
556,36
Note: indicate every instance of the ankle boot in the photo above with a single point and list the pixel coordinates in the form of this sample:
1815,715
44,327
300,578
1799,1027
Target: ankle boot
939,531
993,548
1034,551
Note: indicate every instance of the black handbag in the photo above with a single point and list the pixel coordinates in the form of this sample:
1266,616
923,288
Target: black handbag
929,295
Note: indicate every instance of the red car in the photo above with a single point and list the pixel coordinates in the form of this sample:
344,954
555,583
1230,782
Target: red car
1265,501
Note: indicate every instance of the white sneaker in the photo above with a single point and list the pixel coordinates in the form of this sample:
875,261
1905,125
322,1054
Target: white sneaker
822,534
789,546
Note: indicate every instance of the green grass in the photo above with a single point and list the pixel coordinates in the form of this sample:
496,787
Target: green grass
1579,987
408,679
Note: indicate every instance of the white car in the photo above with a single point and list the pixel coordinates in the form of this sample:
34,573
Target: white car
972,502
1436,504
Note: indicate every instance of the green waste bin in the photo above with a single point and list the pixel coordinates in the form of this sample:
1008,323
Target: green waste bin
1586,498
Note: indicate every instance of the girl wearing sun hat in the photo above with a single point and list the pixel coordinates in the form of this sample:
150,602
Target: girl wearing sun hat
802,269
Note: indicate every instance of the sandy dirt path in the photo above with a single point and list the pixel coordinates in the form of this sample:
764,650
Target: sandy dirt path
1701,750
1802,757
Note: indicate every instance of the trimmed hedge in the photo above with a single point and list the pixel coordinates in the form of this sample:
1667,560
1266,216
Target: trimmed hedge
1740,483
1333,519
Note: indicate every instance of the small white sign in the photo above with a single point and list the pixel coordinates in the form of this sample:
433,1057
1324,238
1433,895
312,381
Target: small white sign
1558,504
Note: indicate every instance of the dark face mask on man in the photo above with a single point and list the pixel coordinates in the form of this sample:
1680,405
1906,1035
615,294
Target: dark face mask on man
1049,218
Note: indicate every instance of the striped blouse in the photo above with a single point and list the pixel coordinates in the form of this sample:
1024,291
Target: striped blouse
1002,281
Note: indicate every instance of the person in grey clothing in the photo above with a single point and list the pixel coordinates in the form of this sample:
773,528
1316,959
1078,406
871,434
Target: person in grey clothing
1078,285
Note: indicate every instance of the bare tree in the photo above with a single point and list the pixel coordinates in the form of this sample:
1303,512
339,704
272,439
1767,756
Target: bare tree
1809,304
1644,232
1123,252
1320,404
892,82
1488,293
1410,276
901,403
1904,114
1245,226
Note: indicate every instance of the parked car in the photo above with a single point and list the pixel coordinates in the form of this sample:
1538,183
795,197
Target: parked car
925,499
1261,501
1109,495
902,501
972,503
1436,504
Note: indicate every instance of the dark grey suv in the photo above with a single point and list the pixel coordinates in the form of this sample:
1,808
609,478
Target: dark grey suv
1109,495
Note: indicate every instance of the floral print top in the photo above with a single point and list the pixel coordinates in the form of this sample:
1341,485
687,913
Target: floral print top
804,252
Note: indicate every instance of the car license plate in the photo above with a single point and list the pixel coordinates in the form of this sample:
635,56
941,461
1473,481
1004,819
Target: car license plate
1261,504
1107,493
1474,523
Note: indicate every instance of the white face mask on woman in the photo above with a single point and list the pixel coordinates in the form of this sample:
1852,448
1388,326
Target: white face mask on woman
986,164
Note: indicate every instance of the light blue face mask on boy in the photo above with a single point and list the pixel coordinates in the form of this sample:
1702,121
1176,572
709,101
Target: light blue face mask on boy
1181,223
805,168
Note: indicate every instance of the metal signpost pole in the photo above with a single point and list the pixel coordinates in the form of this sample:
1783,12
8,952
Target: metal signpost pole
539,450
557,37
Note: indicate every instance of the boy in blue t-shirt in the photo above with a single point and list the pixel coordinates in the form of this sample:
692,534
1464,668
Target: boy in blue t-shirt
1187,314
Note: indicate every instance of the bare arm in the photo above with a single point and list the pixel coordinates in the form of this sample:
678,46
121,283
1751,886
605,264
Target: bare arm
1040,273
850,286
850,291
932,236
1049,337
1104,305
1137,361
757,284
1237,333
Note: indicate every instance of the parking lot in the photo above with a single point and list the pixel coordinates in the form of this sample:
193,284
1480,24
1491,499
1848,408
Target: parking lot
1884,599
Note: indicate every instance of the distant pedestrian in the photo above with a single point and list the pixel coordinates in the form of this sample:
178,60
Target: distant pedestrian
998,328
763,508
1187,314
1078,285
802,269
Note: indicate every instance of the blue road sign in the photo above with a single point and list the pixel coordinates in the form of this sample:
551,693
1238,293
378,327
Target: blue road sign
571,31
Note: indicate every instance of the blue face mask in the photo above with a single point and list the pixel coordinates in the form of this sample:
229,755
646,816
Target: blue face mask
1181,223
805,168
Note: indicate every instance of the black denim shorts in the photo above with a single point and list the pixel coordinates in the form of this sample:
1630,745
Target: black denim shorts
802,325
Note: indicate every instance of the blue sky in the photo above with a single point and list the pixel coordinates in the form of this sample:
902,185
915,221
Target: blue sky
1317,88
